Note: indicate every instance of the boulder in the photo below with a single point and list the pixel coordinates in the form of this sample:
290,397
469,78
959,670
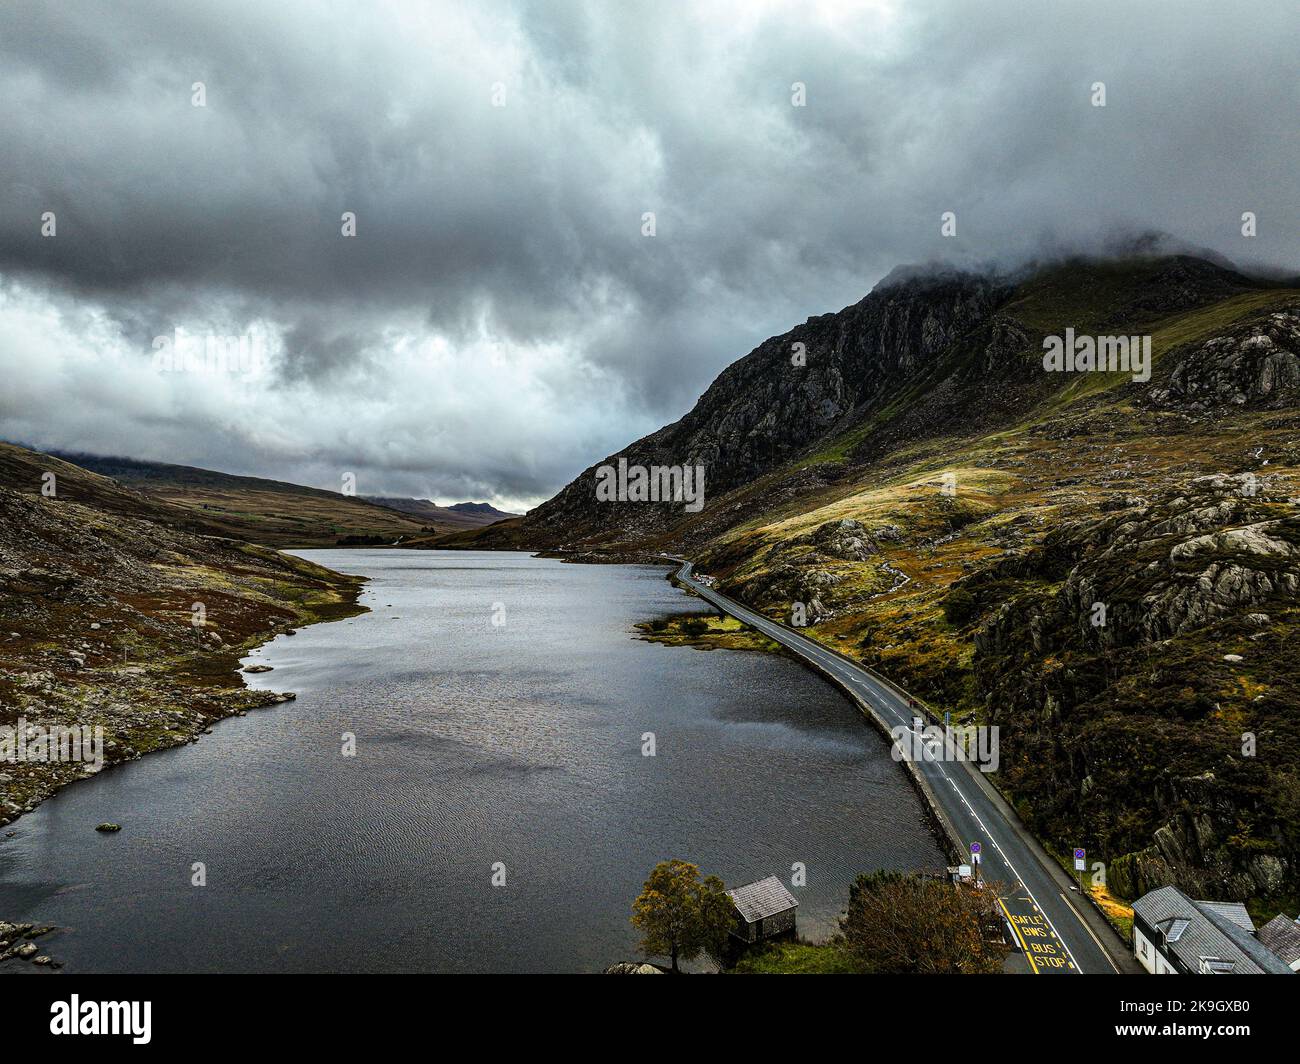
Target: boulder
846,539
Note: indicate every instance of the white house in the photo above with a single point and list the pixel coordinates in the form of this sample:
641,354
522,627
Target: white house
1174,935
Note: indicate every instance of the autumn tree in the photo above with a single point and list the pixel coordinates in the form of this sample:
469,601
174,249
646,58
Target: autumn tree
915,924
681,915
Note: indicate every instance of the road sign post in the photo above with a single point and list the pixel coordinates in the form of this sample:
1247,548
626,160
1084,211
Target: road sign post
1080,863
975,850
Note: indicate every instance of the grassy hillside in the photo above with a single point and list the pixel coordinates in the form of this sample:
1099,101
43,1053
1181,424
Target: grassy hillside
98,595
39,474
978,567
500,535
262,511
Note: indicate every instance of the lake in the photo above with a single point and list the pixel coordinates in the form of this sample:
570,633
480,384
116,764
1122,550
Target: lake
498,703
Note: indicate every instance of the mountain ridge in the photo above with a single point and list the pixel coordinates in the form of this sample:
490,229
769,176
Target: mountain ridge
952,350
947,512
278,513
458,516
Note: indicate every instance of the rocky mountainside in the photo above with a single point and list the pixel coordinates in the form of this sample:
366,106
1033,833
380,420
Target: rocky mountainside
925,355
1155,636
937,504
119,612
1255,364
764,410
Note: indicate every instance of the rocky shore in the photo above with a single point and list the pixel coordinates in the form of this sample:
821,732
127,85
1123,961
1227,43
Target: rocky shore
146,712
130,627
16,944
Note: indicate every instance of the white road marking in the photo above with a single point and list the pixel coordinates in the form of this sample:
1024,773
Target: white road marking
1092,936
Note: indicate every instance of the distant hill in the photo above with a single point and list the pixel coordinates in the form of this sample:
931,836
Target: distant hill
271,512
483,508
455,518
29,472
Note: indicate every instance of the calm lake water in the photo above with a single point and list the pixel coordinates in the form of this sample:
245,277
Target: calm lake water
476,744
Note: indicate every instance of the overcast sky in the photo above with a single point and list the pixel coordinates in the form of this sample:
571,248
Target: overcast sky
500,321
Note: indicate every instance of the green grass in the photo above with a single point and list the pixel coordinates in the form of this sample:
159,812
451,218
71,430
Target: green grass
1082,295
840,447
796,958
705,632
1186,327
1118,912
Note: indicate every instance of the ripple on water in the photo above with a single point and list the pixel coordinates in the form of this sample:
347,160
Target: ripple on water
475,745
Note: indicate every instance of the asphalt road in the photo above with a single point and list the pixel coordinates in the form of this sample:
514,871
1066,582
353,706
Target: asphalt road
1054,935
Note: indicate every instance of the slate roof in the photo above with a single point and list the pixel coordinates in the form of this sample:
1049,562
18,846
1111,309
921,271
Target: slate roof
1213,932
1282,935
757,901
1233,911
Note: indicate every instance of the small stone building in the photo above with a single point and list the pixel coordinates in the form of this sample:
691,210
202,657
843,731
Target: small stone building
763,910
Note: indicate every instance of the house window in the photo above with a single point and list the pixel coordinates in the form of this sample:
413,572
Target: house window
1142,947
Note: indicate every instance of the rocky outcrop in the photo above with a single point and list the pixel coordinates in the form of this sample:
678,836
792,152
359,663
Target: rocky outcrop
1144,699
1151,571
787,584
1193,849
15,944
847,540
1255,365
821,573
633,968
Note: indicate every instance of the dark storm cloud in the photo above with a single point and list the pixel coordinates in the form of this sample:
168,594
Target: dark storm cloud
499,321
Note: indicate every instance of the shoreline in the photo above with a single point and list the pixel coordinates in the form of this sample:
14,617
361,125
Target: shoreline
174,699
1051,862
85,807
163,725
